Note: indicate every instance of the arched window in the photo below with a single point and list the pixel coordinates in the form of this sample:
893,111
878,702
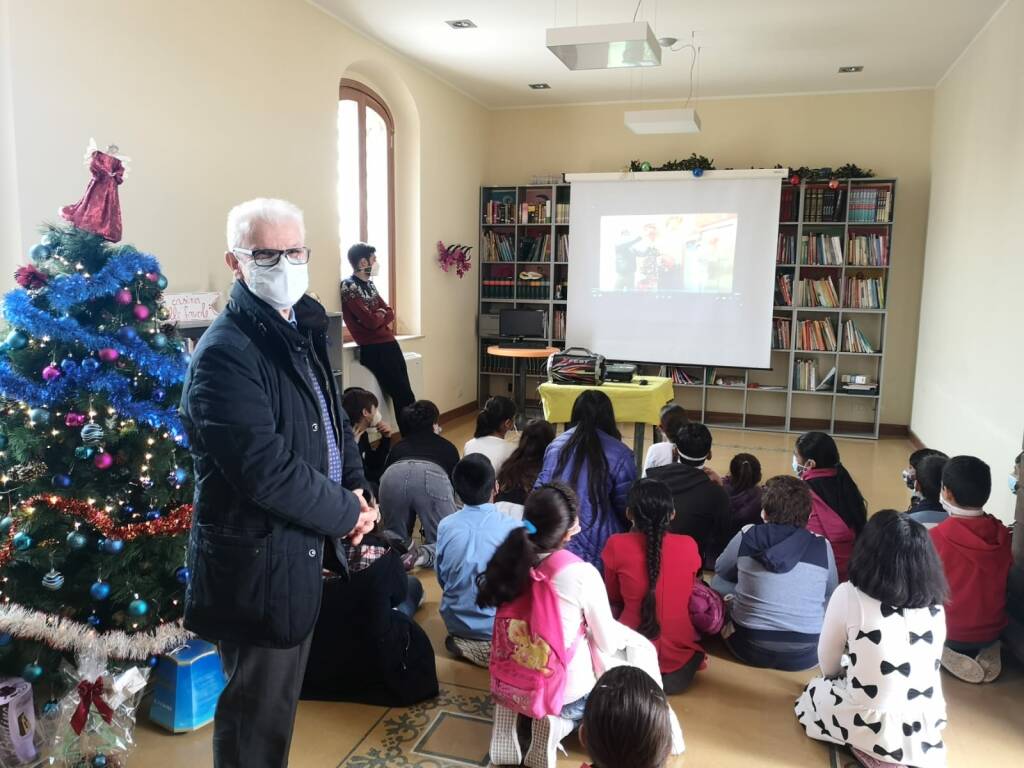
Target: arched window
366,179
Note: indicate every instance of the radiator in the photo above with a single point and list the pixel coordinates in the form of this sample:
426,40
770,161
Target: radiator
355,375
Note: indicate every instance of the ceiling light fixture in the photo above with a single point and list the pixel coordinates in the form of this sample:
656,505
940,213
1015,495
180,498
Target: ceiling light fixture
605,46
540,86
851,70
461,24
685,120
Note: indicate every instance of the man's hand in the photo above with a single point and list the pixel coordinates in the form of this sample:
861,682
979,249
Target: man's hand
368,518
713,476
385,429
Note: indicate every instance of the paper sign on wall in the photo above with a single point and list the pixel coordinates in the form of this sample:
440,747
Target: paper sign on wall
192,307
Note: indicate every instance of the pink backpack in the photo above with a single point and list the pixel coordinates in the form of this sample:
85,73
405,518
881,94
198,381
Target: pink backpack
529,661
707,610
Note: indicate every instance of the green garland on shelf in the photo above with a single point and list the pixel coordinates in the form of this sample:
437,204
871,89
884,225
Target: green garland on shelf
694,161
803,173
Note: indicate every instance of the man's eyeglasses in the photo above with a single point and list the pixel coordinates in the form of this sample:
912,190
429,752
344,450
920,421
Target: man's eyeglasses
268,257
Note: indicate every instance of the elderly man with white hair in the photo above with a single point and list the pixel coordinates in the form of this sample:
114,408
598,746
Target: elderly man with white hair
279,482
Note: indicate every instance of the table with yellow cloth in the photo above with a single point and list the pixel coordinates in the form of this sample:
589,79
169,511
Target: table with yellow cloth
638,403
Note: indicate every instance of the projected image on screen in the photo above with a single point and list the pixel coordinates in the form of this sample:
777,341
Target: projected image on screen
679,253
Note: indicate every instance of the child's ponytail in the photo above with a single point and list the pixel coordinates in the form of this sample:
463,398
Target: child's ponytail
650,504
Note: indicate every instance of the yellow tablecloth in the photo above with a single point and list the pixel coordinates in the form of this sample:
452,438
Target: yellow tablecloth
636,403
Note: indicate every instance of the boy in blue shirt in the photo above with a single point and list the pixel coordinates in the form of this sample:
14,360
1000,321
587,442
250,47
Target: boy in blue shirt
466,541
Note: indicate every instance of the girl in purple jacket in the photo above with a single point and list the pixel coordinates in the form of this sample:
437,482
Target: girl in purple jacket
743,484
591,458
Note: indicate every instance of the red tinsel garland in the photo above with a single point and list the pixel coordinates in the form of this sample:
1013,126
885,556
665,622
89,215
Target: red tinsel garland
178,520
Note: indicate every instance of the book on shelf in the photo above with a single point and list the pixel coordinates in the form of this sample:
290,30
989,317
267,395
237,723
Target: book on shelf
864,292
789,205
682,376
780,333
821,250
499,213
785,253
816,336
868,251
870,204
535,248
561,213
498,247
558,324
854,340
535,213
817,293
562,251
784,290
805,377
823,204
827,384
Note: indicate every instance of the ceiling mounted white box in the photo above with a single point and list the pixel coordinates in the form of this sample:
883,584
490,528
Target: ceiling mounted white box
663,121
605,46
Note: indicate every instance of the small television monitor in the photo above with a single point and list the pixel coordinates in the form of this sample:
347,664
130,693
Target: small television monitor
521,324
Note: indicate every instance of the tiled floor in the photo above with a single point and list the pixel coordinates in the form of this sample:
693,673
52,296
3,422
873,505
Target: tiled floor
732,717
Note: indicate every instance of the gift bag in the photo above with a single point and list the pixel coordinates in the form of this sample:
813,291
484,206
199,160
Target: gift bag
97,715
18,740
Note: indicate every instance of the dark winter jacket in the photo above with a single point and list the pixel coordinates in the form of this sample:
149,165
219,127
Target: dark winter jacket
744,506
263,501
702,508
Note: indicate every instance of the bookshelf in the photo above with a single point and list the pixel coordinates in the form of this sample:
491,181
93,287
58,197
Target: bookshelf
831,289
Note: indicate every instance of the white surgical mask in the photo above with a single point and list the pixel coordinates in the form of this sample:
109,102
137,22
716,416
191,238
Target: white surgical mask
909,477
437,429
375,419
280,285
1014,483
958,511
798,468
375,269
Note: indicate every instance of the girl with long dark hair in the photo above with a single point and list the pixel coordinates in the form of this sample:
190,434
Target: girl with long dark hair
838,510
743,484
520,470
649,574
550,521
880,689
591,458
496,419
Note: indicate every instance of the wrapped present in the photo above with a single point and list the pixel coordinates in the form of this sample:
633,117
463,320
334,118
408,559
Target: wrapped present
17,723
96,723
188,682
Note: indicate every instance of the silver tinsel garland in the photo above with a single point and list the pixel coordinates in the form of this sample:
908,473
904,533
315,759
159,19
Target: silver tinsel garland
67,635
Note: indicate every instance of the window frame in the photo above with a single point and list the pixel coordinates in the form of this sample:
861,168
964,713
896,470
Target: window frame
366,98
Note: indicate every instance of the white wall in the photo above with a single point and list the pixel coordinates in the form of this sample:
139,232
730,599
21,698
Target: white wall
10,236
970,368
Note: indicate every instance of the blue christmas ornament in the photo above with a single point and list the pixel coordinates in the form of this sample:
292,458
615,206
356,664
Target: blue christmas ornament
698,172
68,365
31,673
77,540
178,476
128,509
94,620
61,481
152,661
22,541
39,417
138,607
90,365
99,761
53,580
127,335
5,525
183,574
159,341
84,452
159,394
153,514
100,590
51,709
92,434
16,340
113,546
5,639
39,252
161,282
4,442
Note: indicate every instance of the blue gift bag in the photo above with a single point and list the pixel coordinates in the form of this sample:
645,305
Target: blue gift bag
187,683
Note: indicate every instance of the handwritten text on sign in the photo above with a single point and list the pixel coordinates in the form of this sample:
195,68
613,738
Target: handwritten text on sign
191,307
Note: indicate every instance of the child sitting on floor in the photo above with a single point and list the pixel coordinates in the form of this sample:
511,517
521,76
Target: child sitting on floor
743,484
535,553
626,723
975,552
927,506
884,698
649,574
466,540
673,416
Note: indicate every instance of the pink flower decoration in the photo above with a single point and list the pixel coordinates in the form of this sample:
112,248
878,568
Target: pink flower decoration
454,256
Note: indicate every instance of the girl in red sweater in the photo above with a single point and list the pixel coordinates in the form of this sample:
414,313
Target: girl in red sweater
649,574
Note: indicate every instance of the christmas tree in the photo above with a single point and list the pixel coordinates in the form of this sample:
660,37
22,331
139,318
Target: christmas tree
94,485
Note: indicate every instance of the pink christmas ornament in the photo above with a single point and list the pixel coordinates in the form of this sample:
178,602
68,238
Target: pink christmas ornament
103,461
74,419
141,312
152,276
51,373
123,297
109,354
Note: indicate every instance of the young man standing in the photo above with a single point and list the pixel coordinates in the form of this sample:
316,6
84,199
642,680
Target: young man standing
370,321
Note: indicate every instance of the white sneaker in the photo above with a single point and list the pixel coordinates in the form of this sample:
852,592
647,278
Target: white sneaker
547,735
505,748
962,666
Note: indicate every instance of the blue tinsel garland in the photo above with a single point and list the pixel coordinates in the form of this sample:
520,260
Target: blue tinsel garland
20,313
115,386
65,291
